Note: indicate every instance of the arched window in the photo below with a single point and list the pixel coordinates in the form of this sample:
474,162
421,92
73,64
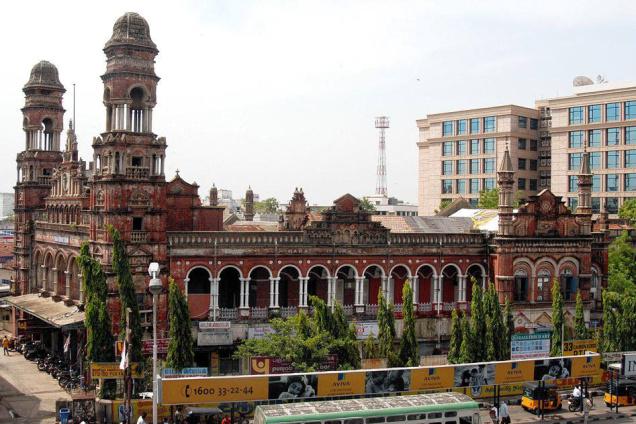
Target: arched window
543,285
569,284
596,285
520,293
137,109
47,134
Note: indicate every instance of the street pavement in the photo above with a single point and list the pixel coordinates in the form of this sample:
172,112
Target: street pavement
600,413
27,393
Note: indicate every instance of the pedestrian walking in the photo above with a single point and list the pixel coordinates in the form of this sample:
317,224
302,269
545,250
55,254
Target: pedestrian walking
5,345
504,413
494,414
587,407
142,418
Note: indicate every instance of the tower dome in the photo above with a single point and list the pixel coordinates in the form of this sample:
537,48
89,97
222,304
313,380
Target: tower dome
131,28
44,74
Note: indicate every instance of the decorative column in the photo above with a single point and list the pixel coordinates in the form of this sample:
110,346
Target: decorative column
81,288
462,288
214,298
67,282
244,308
331,291
185,285
302,292
390,289
415,285
273,292
384,287
55,279
358,299
437,291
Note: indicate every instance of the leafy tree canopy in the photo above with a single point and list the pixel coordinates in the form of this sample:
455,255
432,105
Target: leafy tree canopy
628,211
366,205
488,199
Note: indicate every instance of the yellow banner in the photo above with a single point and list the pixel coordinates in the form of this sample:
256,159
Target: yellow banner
489,391
218,389
110,370
587,366
341,384
432,378
514,372
579,347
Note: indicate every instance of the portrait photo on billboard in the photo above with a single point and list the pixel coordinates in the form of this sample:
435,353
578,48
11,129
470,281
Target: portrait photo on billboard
293,387
552,369
474,376
389,381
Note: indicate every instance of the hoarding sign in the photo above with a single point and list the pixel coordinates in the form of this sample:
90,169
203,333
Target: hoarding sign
341,384
272,365
213,389
432,378
629,365
185,372
162,346
525,346
586,366
514,372
364,330
579,347
111,370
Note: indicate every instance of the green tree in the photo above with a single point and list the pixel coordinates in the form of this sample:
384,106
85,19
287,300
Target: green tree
557,318
409,352
622,265
611,317
495,315
386,331
490,354
370,348
366,205
456,337
269,205
343,341
443,204
100,342
628,211
477,324
466,350
127,295
580,330
509,330
181,345
488,199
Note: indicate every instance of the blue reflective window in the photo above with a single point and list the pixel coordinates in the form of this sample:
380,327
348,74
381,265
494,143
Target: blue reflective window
630,158
630,135
596,204
474,125
594,138
523,122
595,160
596,183
474,147
612,111
576,115
474,166
576,139
611,182
461,186
611,204
447,167
489,145
461,126
489,165
630,109
461,148
447,186
490,124
612,160
613,136
489,183
461,167
573,183
574,162
474,185
593,113
447,148
447,128
630,182
573,203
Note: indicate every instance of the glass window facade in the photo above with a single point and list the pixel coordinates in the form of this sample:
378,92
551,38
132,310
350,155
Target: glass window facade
447,128
612,111
521,183
630,158
574,161
474,166
630,135
461,148
572,203
576,139
523,122
474,147
630,109
573,183
447,186
490,124
611,182
534,123
630,182
521,144
474,185
489,183
461,167
576,115
611,204
474,125
612,160
489,145
447,148
595,160
447,167
596,183
594,138
521,163
533,145
613,136
533,164
593,113
596,205
461,186
462,125
489,165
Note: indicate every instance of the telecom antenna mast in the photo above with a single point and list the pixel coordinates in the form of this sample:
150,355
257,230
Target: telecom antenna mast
381,122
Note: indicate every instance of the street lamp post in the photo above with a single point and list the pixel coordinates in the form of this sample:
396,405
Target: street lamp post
155,287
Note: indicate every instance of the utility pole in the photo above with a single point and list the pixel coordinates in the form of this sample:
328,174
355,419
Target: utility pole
127,370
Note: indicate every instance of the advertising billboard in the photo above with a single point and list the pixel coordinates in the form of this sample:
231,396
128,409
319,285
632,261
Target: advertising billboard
524,346
111,370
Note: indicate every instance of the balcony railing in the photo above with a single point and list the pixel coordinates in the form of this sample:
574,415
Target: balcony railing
228,314
348,310
288,311
259,313
137,172
138,237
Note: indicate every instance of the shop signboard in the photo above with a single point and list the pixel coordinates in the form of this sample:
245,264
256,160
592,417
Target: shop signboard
366,329
524,346
184,372
273,365
219,337
579,347
214,325
182,391
111,370
629,365
162,346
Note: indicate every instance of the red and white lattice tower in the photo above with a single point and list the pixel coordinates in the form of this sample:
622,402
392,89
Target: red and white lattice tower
381,122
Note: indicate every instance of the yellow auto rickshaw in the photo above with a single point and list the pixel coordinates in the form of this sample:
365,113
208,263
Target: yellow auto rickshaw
532,395
623,392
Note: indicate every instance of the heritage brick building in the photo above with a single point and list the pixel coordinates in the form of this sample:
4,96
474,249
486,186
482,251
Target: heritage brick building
244,273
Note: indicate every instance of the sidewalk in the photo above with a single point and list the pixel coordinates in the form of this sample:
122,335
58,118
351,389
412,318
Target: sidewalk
27,393
600,412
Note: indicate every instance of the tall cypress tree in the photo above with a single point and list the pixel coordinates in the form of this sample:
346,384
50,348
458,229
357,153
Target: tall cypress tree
580,330
127,295
509,330
557,319
477,324
456,337
466,350
180,347
495,313
409,352
490,341
386,330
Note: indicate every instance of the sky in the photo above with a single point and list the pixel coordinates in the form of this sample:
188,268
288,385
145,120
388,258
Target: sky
283,94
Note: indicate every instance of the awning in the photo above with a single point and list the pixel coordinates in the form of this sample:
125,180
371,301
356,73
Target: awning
55,313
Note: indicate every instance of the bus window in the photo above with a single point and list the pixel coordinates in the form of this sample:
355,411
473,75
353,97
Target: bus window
450,414
333,422
396,419
416,417
434,415
374,420
450,422
354,421
466,420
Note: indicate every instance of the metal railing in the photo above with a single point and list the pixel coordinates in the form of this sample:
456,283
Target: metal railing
288,311
259,313
228,314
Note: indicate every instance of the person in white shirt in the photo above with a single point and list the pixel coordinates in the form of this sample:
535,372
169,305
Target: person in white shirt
587,407
142,418
576,393
504,414
494,414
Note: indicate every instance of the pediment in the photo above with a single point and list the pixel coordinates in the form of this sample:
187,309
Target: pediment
347,203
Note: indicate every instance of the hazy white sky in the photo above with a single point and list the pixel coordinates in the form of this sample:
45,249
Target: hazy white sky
279,94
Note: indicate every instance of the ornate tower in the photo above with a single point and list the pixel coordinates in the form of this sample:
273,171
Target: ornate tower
295,216
505,181
214,196
128,179
43,122
584,207
249,205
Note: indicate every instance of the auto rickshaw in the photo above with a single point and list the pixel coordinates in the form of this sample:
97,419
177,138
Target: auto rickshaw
532,395
624,393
